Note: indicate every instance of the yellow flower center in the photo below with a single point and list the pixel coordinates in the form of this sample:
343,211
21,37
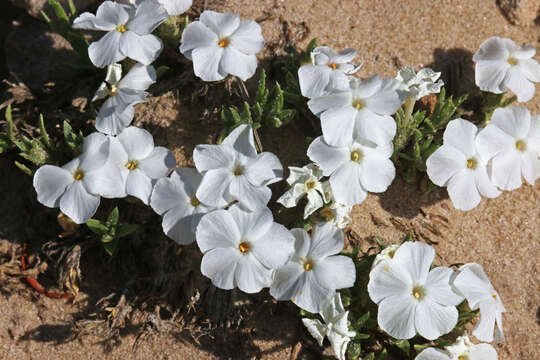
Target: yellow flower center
194,201
78,175
471,163
239,170
494,297
521,145
308,264
310,184
244,247
512,61
332,66
356,156
463,357
418,292
327,214
391,253
113,90
224,42
121,28
358,104
132,165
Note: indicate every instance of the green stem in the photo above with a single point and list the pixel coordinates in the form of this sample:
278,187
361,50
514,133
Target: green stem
409,107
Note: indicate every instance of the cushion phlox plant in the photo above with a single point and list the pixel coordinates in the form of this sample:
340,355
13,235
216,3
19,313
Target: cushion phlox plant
122,94
221,44
129,32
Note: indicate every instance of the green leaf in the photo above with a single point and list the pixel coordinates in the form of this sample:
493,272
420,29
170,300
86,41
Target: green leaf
361,336
112,219
403,345
110,246
382,355
126,229
44,135
24,168
9,122
97,227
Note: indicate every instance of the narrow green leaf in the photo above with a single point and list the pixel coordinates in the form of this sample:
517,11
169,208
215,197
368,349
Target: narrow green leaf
97,227
72,8
126,229
24,168
44,134
9,121
112,219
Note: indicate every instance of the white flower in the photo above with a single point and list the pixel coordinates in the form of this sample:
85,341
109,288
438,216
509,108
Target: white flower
512,142
129,32
241,248
234,171
355,168
76,187
462,349
336,213
117,111
502,65
335,327
315,272
419,84
139,161
365,106
386,254
221,44
174,198
304,181
173,7
411,297
328,71
459,166
472,282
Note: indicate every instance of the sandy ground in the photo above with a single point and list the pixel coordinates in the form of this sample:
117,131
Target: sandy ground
501,234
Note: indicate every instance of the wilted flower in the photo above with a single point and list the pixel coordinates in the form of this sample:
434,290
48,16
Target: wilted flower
241,248
328,71
458,165
139,161
334,326
335,212
472,282
355,168
129,32
174,198
315,272
386,254
221,44
462,349
364,107
234,171
511,142
76,187
117,111
304,181
411,297
502,65
420,84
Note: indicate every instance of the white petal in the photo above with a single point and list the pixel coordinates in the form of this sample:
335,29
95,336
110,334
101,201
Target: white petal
266,169
217,230
530,166
220,266
364,88
312,296
377,173
176,7
345,182
223,24
530,69
211,157
241,139
109,121
376,128
206,61
237,63
250,275
433,320
516,81
483,352
386,101
314,80
106,51
433,354
276,248
491,140
484,184
253,226
102,92
128,97
251,196
177,224
315,202
506,170
187,178
158,164
138,143
50,183
291,197
416,257
490,75
327,157
140,77
494,48
89,21
463,191
214,187
336,272
139,185
396,316
461,134
196,35
389,279
339,344
445,163
439,289
106,181
485,326
316,329
142,48
474,284
338,125
114,13
148,17
248,38
167,195
287,282
333,100
326,240
302,242
514,120
78,204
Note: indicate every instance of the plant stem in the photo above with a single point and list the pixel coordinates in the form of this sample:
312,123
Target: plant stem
409,107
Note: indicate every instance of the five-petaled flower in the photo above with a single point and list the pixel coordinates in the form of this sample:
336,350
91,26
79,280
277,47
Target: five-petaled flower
129,32
221,44
502,65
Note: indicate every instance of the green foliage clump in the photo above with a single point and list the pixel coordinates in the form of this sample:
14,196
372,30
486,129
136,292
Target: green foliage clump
111,231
